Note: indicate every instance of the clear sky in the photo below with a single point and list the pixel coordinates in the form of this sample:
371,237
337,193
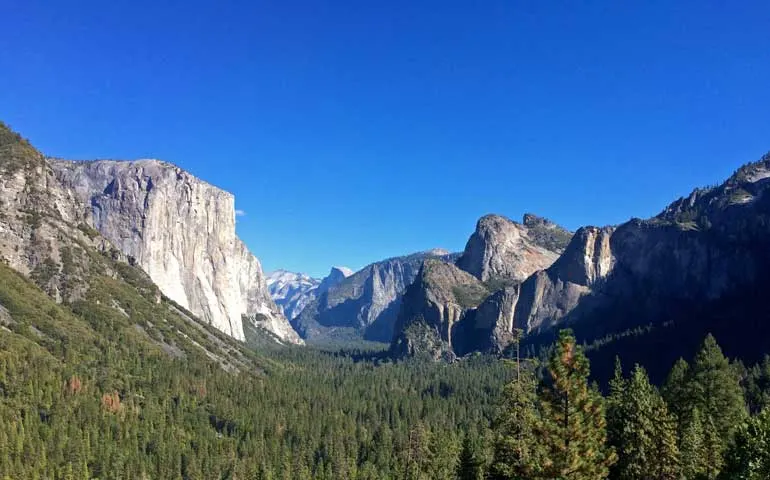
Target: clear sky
353,131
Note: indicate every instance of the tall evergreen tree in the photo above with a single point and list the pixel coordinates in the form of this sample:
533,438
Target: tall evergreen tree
667,460
692,447
749,456
517,453
757,386
572,425
676,393
642,430
469,465
714,387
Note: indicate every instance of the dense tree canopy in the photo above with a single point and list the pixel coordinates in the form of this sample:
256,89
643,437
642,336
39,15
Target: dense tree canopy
89,390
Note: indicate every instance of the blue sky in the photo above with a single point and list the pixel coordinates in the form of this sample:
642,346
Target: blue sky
354,131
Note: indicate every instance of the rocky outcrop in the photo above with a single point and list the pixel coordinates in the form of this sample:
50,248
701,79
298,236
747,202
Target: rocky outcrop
365,304
434,309
292,292
501,249
181,231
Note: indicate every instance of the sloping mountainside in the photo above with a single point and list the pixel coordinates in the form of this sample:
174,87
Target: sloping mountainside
651,289
434,311
365,304
503,250
181,231
293,291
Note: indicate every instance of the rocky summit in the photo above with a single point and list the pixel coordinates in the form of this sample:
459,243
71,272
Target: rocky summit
501,249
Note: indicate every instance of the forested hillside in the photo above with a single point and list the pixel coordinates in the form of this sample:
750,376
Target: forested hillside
84,394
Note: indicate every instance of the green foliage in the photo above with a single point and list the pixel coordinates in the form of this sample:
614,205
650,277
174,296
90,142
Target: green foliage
121,386
692,446
16,153
642,430
470,465
572,422
517,449
560,433
714,388
757,386
470,295
749,456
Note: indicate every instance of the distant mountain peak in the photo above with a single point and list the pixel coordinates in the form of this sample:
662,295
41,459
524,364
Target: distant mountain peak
345,271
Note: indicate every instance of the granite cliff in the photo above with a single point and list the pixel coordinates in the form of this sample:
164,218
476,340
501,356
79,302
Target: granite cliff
181,231
657,285
68,289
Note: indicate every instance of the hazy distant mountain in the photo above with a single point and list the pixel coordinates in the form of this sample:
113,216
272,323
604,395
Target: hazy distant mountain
365,304
293,291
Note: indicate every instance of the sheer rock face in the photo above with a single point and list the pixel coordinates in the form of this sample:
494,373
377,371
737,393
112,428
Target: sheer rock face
364,304
181,231
434,312
700,266
705,248
503,249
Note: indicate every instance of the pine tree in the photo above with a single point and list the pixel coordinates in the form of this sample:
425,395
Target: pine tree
691,446
469,465
616,413
676,393
713,449
757,386
666,455
749,456
714,387
642,430
517,454
572,427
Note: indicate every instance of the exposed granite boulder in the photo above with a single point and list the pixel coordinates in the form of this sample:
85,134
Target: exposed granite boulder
501,249
181,231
